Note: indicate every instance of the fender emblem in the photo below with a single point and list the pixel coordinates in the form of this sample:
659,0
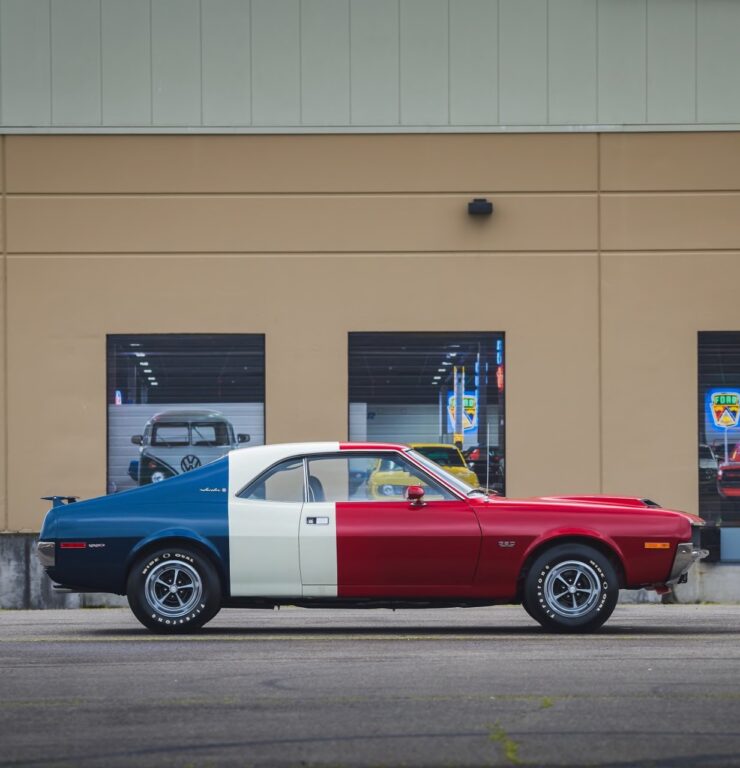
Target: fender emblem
506,544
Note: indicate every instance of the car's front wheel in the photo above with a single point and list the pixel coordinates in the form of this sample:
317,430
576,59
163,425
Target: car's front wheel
571,588
174,589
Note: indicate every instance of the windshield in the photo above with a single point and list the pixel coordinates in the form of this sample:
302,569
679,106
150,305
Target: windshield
201,434
211,434
170,435
435,469
446,457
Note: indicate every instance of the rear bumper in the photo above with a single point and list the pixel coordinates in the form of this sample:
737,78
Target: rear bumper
728,491
46,553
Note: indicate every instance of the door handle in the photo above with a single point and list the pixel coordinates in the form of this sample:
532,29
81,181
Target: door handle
317,521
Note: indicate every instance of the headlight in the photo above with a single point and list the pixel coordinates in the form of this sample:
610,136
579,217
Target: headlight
158,476
387,490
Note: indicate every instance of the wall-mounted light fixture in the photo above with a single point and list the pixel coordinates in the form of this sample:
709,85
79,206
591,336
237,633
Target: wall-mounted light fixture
479,206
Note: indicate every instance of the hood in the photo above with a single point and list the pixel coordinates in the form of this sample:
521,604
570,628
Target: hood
626,503
619,501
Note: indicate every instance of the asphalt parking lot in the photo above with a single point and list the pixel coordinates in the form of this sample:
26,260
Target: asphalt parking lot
658,686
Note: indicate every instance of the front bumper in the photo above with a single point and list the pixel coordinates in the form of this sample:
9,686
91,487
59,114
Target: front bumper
687,553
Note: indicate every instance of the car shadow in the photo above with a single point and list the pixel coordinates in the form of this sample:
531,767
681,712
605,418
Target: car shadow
420,631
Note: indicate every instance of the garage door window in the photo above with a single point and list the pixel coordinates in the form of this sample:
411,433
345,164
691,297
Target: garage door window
179,401
441,392
718,455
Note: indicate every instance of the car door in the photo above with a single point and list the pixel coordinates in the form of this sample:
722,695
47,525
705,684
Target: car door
386,547
263,534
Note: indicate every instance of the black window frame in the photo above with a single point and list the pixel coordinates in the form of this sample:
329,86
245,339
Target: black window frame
454,336
258,338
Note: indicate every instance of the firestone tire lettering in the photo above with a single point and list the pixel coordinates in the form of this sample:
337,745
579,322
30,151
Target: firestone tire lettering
571,588
148,594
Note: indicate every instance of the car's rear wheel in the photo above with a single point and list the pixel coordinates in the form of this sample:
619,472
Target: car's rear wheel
174,589
571,588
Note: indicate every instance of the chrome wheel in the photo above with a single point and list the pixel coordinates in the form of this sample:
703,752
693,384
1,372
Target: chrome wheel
571,588
173,589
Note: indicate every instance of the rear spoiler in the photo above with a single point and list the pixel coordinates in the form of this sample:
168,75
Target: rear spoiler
60,501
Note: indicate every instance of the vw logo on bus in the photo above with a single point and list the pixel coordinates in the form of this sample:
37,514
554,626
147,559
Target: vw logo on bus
189,462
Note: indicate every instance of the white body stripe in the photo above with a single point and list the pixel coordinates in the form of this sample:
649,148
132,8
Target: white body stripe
318,546
264,537
263,548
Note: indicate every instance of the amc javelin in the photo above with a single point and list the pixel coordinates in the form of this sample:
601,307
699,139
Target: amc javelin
292,524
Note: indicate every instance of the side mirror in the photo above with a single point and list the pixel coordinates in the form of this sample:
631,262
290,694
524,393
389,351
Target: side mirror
137,439
415,494
243,438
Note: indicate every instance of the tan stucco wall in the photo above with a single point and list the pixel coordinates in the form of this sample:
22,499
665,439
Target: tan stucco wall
3,335
308,238
673,199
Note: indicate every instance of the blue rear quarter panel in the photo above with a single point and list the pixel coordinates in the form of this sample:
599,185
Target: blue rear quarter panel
192,506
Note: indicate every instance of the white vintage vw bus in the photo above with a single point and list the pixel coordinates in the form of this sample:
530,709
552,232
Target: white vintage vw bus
178,441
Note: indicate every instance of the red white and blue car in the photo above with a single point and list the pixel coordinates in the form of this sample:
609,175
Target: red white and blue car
296,525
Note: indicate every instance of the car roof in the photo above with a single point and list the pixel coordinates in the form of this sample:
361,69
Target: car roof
187,415
434,445
250,460
373,446
308,448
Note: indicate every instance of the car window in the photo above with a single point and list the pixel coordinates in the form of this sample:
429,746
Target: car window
455,482
210,434
283,482
446,457
170,435
367,478
389,465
